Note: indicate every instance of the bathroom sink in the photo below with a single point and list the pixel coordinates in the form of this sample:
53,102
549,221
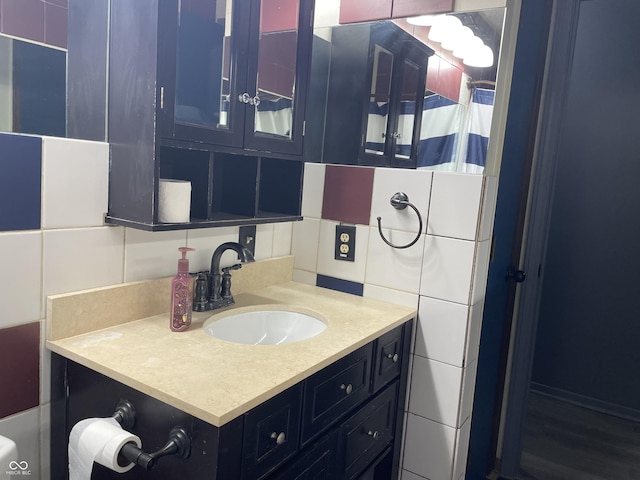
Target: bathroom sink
264,327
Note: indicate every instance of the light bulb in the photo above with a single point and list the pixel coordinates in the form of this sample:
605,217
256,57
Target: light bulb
481,57
442,27
461,36
422,20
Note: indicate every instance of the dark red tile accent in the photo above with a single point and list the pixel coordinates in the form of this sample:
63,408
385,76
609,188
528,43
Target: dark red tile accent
347,194
55,25
23,18
19,368
364,10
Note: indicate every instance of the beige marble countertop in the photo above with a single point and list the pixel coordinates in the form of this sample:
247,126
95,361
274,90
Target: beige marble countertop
215,380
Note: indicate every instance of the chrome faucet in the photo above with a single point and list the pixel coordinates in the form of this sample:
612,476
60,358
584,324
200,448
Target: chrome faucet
220,293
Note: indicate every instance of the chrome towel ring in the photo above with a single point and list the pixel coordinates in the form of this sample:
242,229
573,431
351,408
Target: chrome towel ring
400,201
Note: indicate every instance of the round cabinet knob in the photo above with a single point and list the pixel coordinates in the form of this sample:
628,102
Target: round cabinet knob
245,98
373,434
347,388
393,357
278,437
255,100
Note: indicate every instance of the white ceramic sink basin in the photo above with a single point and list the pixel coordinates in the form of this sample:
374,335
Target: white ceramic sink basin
264,327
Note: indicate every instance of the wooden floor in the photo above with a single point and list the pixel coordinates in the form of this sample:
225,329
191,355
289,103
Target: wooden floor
566,442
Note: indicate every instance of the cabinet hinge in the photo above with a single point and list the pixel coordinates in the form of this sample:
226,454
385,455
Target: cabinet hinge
161,98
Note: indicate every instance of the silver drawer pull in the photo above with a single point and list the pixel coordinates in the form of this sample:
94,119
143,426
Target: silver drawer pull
393,356
347,388
373,434
278,437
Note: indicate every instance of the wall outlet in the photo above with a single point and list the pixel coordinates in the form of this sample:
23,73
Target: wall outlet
345,243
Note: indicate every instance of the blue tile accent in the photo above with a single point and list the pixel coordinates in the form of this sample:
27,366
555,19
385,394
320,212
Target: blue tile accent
346,286
20,182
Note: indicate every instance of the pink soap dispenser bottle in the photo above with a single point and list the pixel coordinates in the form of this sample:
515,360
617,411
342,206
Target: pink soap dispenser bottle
181,295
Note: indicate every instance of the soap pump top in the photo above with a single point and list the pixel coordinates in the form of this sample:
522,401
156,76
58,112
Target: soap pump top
181,294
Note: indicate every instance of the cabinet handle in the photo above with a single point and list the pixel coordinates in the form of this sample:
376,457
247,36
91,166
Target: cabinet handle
245,98
255,101
396,136
373,434
347,388
278,437
393,357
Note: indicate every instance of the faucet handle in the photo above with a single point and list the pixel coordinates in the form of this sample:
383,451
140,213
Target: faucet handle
237,266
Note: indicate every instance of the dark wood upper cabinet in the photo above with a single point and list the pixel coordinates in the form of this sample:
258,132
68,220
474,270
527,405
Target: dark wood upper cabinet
375,96
208,91
240,72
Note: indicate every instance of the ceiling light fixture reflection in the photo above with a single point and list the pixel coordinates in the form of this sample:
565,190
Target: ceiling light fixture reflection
422,20
443,27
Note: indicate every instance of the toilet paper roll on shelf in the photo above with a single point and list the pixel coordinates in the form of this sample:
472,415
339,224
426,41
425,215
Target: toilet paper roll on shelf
97,440
174,201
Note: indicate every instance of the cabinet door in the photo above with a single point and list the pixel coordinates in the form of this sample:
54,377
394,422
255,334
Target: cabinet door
409,99
279,51
271,433
210,72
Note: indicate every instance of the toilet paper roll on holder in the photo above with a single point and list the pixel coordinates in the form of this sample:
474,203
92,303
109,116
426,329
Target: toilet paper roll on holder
178,444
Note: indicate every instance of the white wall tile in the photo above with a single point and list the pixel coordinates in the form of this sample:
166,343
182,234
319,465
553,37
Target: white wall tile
328,265
480,271
205,241
21,263
313,190
392,267
75,176
447,268
390,295
282,237
24,429
304,276
77,259
442,331
388,181
488,209
462,450
455,205
153,254
468,389
473,332
304,246
429,448
264,241
435,391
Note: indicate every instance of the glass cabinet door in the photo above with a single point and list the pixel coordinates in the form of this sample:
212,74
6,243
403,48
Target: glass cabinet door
408,110
275,76
377,120
205,73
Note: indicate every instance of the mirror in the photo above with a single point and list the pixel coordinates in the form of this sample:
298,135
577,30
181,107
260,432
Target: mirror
455,114
203,63
276,76
32,88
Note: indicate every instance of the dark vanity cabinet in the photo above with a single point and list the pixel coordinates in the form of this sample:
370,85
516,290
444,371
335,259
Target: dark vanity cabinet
375,96
208,91
343,422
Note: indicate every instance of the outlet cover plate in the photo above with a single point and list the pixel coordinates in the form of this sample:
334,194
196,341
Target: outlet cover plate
345,243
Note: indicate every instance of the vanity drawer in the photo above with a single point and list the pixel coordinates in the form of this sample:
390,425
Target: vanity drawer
271,433
388,358
332,392
367,433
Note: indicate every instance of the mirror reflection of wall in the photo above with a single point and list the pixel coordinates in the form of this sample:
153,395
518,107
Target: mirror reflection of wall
458,100
32,88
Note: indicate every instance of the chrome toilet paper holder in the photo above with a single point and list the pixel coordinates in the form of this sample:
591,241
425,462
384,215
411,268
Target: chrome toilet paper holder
178,444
